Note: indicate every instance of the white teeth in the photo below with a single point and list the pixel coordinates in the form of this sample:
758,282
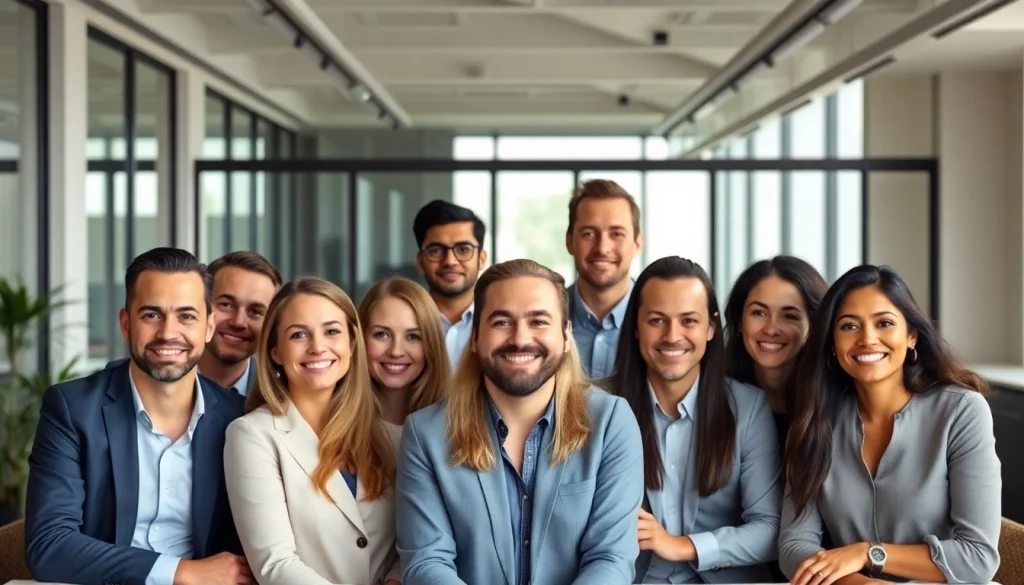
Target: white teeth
673,352
769,346
317,365
169,352
869,358
395,368
519,359
232,337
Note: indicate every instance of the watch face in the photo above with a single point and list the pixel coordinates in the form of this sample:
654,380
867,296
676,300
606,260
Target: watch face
877,554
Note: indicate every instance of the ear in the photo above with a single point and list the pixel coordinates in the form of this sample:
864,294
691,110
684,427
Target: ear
912,339
483,257
711,329
274,356
568,244
211,326
568,330
419,263
122,319
640,242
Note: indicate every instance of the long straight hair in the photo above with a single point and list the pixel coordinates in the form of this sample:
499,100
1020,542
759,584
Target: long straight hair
353,437
716,421
471,442
821,383
807,281
429,387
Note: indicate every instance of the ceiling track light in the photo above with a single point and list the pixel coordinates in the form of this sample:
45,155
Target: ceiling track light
304,43
797,37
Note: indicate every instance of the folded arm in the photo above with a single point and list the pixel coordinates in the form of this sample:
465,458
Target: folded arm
799,537
253,477
55,548
426,540
756,540
609,546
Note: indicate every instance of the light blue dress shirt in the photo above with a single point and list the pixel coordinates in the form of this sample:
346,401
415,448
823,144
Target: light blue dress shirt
675,443
164,520
242,384
596,340
456,335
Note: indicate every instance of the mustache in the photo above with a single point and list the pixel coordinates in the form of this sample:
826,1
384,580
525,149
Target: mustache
602,257
530,349
163,345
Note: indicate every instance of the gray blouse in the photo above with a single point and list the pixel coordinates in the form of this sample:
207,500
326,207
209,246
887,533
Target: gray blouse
937,483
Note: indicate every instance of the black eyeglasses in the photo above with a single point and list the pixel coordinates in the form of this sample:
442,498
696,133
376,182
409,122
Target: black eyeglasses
464,251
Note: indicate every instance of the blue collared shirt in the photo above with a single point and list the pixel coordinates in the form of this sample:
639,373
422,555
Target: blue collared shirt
164,518
520,487
456,335
596,340
675,443
242,384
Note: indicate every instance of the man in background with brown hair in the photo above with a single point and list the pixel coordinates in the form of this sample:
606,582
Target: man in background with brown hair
603,238
244,283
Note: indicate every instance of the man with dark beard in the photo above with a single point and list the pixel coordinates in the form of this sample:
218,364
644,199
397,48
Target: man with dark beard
451,254
603,237
126,480
524,474
244,283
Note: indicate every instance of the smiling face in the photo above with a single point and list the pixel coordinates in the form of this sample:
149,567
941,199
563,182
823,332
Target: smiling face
455,272
313,347
775,323
394,344
871,336
167,325
520,341
673,328
240,301
602,243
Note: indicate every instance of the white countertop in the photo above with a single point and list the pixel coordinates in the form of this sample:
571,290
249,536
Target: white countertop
1011,376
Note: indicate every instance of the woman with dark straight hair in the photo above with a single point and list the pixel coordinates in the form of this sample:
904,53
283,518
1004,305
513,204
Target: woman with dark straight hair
891,447
767,320
711,455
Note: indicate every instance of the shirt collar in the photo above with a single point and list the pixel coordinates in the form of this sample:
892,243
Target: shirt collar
241,385
502,429
687,406
466,317
198,409
617,314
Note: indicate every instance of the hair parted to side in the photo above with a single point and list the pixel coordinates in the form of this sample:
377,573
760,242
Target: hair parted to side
440,212
821,383
167,261
602,189
353,438
432,384
471,442
249,261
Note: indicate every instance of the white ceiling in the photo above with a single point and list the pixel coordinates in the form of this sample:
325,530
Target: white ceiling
495,63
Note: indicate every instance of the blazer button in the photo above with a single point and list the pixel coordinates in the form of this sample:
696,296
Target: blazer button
361,542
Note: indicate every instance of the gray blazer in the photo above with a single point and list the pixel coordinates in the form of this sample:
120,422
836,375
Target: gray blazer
454,524
938,483
741,520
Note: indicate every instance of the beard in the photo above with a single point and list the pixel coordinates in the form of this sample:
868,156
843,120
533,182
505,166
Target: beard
520,383
229,357
164,372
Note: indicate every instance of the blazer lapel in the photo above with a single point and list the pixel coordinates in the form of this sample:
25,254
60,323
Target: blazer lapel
545,488
304,446
122,440
207,471
492,483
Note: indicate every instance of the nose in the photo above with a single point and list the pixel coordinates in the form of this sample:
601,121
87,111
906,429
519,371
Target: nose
674,332
771,327
316,344
521,336
237,319
449,258
168,329
397,347
604,243
868,336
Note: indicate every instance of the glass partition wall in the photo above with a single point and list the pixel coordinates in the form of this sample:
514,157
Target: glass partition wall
350,220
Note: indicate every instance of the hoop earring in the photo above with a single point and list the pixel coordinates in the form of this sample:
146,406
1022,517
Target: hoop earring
914,349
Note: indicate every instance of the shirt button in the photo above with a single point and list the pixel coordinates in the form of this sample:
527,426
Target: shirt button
361,542
673,467
526,542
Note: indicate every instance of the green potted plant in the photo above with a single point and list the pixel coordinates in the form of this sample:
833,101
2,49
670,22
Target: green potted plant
21,387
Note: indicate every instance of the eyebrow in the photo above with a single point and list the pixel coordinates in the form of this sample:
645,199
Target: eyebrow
508,314
664,314
588,226
302,326
785,308
459,243
155,309
232,297
878,314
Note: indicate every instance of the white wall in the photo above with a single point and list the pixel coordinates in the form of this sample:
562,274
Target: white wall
973,122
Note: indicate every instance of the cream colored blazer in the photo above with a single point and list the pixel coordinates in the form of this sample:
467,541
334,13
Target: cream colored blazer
291,534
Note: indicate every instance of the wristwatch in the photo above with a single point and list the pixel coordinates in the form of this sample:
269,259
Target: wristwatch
877,557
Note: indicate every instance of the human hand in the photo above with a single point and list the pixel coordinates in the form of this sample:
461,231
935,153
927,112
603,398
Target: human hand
828,566
221,569
653,537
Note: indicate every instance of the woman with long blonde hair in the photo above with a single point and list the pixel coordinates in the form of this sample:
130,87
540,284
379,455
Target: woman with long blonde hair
405,348
310,469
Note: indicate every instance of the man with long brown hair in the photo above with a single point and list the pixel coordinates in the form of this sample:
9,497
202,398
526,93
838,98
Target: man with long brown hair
525,474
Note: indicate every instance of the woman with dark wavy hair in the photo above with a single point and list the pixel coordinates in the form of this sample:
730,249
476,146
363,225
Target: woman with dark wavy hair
891,447
767,320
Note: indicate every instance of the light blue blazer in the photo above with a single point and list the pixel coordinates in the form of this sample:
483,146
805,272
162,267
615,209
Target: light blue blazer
738,525
454,523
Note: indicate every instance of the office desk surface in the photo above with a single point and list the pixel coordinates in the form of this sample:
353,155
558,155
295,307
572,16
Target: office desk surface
39,583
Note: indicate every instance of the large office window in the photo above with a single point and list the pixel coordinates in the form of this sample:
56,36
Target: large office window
130,182
247,210
23,153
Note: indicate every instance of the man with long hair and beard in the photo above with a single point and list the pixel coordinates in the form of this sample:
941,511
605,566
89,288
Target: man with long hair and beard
525,474
126,480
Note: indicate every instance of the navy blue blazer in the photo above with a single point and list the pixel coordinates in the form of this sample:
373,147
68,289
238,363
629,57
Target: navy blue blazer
83,487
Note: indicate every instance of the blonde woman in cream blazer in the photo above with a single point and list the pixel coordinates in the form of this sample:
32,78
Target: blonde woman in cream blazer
301,521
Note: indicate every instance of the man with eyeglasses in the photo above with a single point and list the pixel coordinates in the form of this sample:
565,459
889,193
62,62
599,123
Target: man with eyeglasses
450,258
